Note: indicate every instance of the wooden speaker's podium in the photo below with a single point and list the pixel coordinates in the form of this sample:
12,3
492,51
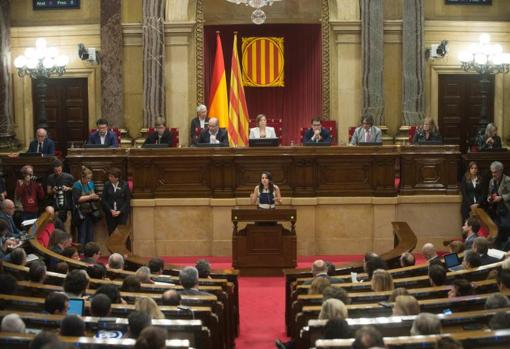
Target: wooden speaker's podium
263,247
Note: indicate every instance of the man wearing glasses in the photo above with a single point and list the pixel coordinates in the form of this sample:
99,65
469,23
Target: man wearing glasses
317,133
367,132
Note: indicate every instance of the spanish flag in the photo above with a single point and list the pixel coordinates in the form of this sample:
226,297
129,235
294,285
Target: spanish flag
237,108
218,103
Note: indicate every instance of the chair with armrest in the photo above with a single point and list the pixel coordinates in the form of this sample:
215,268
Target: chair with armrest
410,134
276,123
174,131
351,132
330,125
115,130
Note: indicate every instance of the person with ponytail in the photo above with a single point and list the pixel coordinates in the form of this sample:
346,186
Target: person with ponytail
85,206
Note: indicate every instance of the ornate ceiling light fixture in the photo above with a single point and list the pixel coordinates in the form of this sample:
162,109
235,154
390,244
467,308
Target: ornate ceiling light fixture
258,16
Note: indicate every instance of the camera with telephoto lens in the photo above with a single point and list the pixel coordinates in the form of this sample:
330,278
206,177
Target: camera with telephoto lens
59,197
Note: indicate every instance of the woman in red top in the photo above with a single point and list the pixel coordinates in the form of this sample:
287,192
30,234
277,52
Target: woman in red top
45,226
29,192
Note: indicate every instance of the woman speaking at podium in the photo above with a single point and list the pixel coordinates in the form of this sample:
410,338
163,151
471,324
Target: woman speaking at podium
267,194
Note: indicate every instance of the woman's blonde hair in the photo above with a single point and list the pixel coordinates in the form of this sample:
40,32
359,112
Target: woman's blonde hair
406,305
148,305
433,126
382,281
318,285
333,309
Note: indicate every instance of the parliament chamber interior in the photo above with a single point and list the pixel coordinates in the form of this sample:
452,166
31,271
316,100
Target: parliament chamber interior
257,174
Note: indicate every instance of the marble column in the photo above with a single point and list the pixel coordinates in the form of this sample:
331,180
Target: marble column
372,48
413,62
112,94
153,61
6,124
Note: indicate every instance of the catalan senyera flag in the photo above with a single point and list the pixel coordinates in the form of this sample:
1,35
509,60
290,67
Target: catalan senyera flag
218,103
263,62
237,108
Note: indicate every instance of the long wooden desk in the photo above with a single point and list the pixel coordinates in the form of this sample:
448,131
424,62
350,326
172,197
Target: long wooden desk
299,171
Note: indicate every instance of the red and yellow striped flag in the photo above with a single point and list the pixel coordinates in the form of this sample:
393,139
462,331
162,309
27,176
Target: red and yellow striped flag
237,108
218,103
263,62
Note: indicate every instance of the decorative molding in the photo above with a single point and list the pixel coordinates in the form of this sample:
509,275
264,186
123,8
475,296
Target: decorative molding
349,32
413,63
325,58
372,52
199,40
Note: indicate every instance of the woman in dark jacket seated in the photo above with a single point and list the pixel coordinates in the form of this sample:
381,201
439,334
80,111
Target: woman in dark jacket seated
427,132
490,139
115,200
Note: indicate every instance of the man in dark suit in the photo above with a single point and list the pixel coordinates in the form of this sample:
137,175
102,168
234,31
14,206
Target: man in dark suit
161,135
213,134
317,133
6,213
103,135
481,246
200,122
42,144
320,270
189,281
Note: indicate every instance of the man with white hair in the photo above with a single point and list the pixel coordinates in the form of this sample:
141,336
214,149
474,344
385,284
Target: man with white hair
7,209
499,200
116,261
143,274
188,277
214,134
42,144
13,323
200,122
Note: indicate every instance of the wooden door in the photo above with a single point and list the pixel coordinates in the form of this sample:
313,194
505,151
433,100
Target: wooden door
67,111
460,100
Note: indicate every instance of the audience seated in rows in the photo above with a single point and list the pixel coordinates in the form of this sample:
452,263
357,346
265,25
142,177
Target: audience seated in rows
13,323
71,252
336,293
429,252
333,309
497,301
382,281
116,261
461,288
112,291
100,305
72,326
371,262
37,271
318,285
131,284
143,275
368,337
137,321
76,283
149,306
481,247
188,277
406,305
171,297
96,271
470,231
320,270
399,291
204,269
407,259
471,260
91,252
44,339
437,275
156,266
337,329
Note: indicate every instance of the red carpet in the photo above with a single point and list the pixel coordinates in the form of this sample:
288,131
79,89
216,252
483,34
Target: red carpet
261,300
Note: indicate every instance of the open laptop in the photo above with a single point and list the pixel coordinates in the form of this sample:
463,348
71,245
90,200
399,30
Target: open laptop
452,262
156,146
264,142
96,145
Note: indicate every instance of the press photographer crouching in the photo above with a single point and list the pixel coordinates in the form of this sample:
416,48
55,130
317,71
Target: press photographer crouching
85,211
59,188
30,192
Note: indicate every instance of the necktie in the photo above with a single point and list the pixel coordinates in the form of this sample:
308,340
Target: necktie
367,136
39,148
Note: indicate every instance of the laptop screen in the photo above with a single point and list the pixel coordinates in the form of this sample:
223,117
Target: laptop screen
451,260
76,306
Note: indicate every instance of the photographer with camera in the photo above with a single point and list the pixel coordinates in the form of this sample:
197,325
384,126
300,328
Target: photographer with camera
59,188
85,211
30,192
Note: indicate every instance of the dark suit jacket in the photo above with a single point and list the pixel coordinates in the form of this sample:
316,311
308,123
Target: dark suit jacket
11,227
326,137
331,279
121,196
48,147
89,260
486,259
110,139
195,123
166,138
221,136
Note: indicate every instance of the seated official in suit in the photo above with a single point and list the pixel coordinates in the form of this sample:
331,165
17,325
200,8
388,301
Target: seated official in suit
490,139
42,144
367,132
214,134
317,133
115,200
266,194
262,131
427,132
161,135
103,135
200,122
